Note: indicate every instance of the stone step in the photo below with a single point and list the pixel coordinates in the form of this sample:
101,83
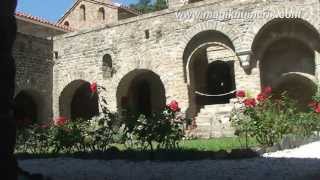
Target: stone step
205,133
213,121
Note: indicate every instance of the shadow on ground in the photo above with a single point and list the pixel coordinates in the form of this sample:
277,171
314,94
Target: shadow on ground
159,155
232,169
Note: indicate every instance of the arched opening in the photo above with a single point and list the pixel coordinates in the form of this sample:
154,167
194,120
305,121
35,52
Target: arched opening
107,66
141,92
27,107
286,53
66,24
83,13
141,96
284,56
220,80
293,84
78,102
101,14
209,60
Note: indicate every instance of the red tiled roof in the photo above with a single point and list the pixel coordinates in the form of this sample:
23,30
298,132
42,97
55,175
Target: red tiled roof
42,21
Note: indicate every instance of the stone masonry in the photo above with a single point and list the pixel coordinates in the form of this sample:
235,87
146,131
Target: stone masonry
173,49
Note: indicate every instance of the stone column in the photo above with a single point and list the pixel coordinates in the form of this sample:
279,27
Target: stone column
317,62
247,75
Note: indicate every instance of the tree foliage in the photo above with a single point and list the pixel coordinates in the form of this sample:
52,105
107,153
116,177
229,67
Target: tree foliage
146,6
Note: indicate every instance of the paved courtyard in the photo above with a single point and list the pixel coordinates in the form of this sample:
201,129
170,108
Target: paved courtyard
299,164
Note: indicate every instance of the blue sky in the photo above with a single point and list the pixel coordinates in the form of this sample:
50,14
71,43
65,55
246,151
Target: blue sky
51,10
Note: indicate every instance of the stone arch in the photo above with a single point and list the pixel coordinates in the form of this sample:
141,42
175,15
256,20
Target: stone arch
293,84
188,57
66,23
204,56
257,25
141,91
286,53
76,101
29,104
232,32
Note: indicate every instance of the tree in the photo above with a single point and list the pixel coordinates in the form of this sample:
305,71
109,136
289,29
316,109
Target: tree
159,5
146,6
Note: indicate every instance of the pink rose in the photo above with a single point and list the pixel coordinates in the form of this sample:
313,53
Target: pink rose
241,94
174,106
267,90
93,87
60,121
250,102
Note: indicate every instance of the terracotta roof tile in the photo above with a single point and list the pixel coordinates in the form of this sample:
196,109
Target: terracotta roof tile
42,21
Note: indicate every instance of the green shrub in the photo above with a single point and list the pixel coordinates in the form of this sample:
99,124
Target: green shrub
269,120
66,136
162,130
100,132
33,139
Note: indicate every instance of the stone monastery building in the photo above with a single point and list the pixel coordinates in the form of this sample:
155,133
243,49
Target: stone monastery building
189,52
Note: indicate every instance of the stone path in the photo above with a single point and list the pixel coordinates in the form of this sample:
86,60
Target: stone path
300,164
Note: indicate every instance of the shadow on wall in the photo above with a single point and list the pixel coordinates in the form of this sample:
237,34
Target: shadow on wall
78,102
141,91
286,50
29,106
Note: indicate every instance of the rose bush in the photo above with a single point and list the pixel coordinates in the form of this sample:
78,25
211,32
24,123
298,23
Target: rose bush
269,120
64,135
164,129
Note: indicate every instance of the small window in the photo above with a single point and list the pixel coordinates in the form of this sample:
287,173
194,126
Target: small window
82,13
101,14
107,66
147,34
56,54
66,24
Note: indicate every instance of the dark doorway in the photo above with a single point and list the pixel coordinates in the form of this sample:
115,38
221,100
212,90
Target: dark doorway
25,108
220,80
142,97
84,104
141,91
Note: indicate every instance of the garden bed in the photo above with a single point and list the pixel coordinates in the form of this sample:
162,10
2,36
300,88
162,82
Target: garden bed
220,148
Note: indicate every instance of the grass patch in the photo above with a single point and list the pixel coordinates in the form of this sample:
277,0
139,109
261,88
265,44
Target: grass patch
217,144
197,149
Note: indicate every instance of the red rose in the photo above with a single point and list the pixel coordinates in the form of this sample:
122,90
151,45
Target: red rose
317,108
313,104
174,106
60,121
262,97
250,102
93,87
241,94
267,90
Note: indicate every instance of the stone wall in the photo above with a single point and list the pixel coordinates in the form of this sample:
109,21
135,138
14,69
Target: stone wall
157,42
85,14
34,65
37,29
